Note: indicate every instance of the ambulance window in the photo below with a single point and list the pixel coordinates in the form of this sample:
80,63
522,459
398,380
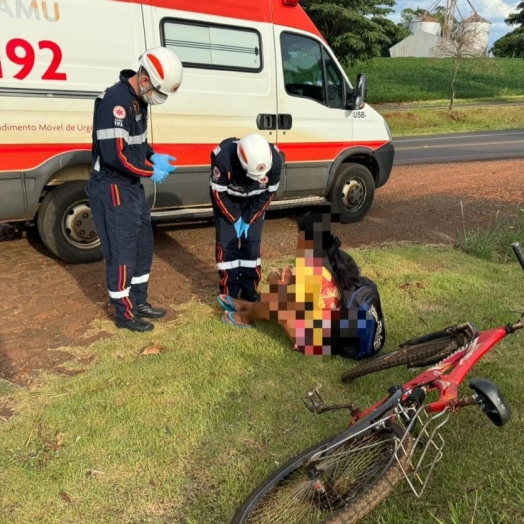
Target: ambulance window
303,70
335,83
211,46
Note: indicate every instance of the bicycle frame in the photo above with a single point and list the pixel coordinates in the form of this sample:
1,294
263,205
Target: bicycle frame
458,365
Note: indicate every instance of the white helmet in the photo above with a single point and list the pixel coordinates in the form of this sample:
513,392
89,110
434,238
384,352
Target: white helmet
164,69
255,155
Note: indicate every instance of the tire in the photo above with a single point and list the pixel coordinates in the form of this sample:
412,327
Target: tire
66,226
413,356
325,498
353,192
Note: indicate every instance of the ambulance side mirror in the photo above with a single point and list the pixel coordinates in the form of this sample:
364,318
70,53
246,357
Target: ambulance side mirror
357,98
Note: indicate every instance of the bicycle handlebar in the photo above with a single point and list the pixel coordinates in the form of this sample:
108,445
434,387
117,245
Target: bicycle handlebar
519,253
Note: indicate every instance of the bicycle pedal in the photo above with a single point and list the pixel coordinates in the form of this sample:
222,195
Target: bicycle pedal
313,400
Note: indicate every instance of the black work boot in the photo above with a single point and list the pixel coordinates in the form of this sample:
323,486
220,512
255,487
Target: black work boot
135,324
148,311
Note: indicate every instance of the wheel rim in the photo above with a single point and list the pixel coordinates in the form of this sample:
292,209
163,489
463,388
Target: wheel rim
342,476
353,194
78,226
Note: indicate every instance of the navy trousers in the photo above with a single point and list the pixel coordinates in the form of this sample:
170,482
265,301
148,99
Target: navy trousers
238,260
122,217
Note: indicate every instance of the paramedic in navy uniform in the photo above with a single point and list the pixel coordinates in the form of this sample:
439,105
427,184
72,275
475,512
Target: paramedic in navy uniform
122,158
245,174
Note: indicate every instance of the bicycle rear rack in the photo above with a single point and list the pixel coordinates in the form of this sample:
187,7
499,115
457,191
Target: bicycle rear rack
417,457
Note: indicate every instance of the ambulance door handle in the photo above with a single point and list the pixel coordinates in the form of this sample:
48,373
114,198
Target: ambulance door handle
285,121
267,121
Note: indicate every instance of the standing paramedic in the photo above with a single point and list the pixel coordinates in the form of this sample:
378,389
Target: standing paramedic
122,158
245,174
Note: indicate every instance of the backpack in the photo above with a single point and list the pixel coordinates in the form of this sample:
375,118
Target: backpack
360,331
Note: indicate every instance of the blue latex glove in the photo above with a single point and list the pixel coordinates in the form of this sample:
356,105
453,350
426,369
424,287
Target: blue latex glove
159,175
163,162
238,227
245,227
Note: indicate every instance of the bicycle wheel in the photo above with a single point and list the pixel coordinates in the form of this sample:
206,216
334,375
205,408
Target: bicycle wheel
340,487
412,356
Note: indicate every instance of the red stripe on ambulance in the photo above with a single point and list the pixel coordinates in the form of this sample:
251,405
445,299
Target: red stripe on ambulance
25,157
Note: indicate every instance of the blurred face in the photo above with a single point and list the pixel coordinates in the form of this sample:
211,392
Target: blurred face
305,247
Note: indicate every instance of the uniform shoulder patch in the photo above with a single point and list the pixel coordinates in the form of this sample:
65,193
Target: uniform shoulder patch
119,112
216,173
216,150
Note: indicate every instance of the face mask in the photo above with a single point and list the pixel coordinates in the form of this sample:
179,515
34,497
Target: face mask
155,99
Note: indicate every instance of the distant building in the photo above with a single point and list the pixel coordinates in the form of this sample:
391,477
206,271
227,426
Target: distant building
426,40
479,29
426,23
418,44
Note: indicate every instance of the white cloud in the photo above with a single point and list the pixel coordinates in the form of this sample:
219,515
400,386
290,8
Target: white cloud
495,9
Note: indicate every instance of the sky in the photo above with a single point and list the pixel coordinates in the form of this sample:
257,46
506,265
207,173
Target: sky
493,10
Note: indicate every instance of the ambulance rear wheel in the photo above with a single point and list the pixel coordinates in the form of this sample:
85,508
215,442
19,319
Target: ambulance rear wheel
66,226
353,192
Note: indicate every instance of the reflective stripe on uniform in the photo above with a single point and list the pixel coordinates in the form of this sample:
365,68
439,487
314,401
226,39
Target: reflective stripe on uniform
140,280
251,263
222,266
217,187
110,134
220,188
119,294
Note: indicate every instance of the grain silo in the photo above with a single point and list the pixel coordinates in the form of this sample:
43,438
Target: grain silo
475,33
427,24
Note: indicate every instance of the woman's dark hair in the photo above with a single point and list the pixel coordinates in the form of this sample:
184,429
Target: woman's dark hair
316,226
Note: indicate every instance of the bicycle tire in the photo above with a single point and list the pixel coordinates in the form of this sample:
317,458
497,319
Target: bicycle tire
413,356
292,483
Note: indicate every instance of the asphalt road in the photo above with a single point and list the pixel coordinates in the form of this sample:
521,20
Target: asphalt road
459,147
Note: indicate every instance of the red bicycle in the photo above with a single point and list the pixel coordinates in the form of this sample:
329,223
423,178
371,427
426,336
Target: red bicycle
344,478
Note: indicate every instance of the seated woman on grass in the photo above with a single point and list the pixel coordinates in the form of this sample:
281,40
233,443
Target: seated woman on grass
304,303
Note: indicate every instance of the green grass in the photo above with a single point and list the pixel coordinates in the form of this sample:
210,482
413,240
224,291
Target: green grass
417,122
184,436
426,81
399,80
494,243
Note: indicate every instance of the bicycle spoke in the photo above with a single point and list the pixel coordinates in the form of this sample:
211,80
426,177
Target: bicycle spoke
342,475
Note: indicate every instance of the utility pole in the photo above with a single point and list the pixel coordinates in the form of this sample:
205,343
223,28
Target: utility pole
449,18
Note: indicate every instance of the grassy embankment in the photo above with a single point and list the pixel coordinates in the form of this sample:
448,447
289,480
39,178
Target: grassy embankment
185,435
426,82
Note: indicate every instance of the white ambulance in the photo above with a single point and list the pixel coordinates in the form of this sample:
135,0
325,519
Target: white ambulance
249,66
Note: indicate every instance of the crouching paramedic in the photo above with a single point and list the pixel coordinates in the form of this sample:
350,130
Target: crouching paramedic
122,158
245,174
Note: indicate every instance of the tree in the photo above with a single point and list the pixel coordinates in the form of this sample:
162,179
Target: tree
355,29
463,44
518,17
408,15
395,33
512,44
